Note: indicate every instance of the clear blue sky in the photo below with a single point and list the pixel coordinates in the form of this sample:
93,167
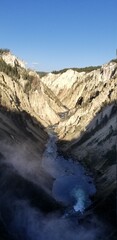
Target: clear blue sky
54,34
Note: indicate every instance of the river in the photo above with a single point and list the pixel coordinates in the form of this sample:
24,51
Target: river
73,185
21,195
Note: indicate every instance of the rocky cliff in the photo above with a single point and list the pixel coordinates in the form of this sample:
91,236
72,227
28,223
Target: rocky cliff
30,94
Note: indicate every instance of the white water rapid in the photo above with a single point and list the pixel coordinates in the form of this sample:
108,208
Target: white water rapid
72,186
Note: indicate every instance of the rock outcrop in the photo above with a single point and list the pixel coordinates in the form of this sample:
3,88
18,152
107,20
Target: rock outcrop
12,60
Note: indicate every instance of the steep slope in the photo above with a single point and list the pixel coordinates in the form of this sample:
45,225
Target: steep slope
25,187
90,95
27,92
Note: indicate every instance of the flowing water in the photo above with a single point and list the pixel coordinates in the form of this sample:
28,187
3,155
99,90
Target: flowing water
72,186
21,193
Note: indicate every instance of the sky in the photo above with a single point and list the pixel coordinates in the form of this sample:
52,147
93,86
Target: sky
54,34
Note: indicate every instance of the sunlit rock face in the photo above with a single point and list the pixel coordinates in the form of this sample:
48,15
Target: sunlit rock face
38,100
11,59
84,95
70,86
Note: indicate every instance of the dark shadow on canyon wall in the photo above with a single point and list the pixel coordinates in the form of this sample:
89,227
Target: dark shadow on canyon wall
22,143
20,118
105,199
25,200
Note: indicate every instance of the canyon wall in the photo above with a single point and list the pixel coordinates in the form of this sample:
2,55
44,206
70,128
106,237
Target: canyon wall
79,107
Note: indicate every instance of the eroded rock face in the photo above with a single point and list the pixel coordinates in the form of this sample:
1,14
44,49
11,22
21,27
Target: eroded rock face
84,95
38,100
71,85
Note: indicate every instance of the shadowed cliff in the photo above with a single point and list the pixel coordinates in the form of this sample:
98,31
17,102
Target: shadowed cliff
22,179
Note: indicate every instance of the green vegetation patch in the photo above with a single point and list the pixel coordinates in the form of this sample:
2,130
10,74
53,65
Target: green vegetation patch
42,74
114,60
85,69
4,50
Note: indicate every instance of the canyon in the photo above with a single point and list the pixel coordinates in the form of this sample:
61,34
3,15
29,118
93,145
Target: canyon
79,108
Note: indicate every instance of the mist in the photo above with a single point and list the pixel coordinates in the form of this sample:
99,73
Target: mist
45,198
